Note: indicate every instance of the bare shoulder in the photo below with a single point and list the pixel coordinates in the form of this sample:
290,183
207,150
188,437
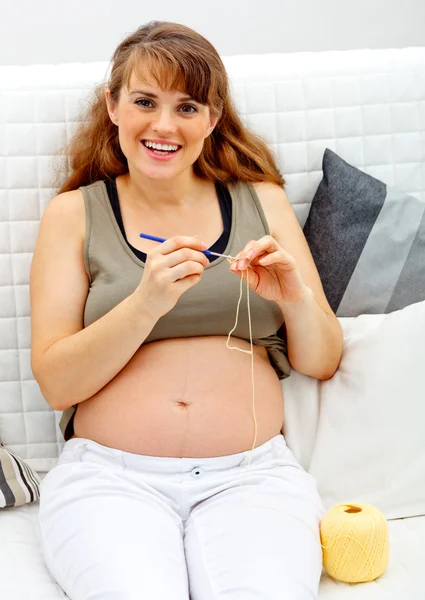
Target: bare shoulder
267,188
274,202
67,204
67,211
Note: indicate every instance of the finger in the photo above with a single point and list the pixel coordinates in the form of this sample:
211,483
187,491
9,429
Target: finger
280,256
255,248
183,255
182,241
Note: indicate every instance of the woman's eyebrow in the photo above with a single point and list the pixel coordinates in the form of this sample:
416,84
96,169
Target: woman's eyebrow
155,97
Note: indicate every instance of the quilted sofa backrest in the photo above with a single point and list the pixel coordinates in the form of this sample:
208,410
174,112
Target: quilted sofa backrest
366,105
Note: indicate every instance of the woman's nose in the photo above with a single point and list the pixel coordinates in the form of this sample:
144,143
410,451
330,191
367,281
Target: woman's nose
164,121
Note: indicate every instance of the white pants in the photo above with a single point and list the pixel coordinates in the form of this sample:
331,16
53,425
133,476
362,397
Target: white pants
117,525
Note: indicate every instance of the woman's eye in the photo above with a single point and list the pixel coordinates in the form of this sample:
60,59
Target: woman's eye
145,103
188,108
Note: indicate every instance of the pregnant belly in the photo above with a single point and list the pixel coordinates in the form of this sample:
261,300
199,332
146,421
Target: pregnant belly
186,397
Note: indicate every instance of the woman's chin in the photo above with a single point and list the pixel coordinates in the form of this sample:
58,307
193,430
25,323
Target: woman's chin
162,172
164,175
154,173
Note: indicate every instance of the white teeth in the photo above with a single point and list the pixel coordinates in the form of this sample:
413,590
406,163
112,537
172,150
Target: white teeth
165,147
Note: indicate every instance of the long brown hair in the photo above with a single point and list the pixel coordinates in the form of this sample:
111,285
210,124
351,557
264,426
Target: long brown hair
177,58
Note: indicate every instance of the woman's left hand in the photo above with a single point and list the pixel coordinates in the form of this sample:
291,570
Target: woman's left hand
272,272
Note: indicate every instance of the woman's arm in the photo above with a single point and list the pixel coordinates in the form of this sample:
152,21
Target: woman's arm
314,334
314,337
71,363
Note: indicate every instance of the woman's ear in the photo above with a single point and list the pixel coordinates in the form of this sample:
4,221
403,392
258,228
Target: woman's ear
110,106
213,123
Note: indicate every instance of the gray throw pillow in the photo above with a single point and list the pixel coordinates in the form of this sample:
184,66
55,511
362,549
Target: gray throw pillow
367,240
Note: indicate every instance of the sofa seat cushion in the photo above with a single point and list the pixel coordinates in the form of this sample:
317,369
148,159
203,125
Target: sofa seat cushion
20,554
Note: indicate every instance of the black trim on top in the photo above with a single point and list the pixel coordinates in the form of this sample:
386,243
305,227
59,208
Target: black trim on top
226,212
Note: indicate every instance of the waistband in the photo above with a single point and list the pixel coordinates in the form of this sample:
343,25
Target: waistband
174,464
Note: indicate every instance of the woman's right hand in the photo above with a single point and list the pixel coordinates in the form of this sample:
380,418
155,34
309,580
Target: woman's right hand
171,268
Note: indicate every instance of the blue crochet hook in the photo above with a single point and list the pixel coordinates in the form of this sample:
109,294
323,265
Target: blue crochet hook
158,239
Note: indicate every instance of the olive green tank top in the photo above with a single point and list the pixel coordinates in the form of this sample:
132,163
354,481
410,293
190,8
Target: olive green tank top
208,308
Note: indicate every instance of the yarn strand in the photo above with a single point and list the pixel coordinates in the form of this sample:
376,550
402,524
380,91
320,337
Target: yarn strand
368,558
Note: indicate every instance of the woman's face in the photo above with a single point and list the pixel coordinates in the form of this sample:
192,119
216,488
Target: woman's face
161,133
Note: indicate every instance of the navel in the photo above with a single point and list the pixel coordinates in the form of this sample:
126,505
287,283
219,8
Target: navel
182,403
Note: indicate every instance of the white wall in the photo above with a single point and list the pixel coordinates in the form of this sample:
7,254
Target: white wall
42,31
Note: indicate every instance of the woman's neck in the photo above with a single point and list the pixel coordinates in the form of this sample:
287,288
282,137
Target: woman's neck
183,191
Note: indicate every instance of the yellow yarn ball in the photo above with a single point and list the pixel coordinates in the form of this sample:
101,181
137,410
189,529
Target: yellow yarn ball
355,542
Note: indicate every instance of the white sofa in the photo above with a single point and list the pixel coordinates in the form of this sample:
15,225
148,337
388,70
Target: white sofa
361,434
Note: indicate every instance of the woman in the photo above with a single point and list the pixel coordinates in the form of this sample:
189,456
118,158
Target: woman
150,498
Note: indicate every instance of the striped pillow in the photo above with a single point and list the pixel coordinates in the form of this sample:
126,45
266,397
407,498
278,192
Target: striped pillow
368,241
19,484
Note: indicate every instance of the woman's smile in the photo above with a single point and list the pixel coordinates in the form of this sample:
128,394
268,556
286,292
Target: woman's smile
161,150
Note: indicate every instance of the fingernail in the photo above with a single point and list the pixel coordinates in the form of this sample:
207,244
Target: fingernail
250,253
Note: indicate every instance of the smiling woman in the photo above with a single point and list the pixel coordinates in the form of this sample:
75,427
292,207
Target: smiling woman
171,60
129,341
171,129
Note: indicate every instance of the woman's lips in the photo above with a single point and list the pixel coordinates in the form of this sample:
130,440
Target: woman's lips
160,156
